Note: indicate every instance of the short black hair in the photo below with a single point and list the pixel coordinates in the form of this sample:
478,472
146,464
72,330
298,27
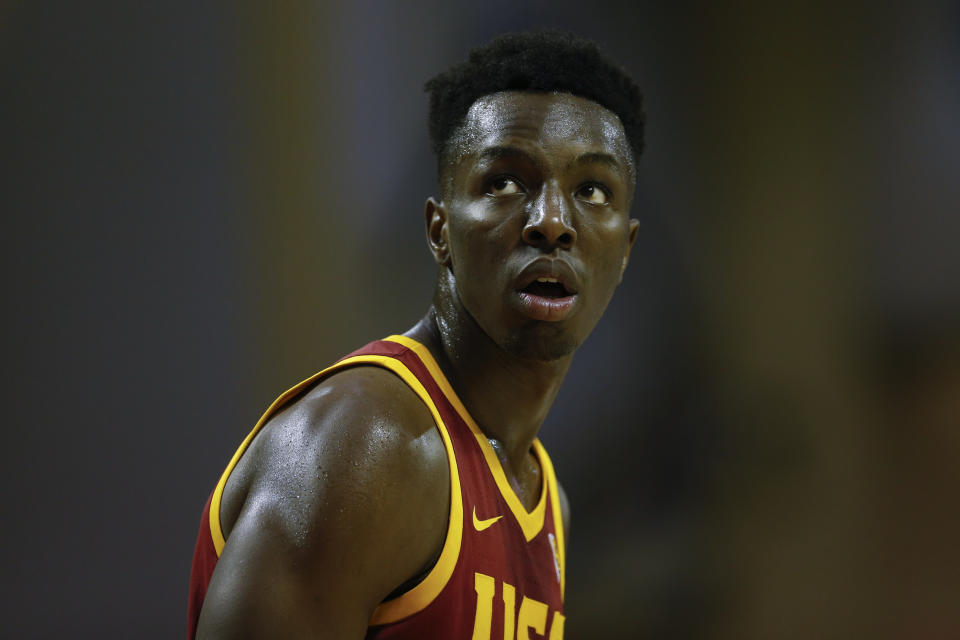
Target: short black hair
536,61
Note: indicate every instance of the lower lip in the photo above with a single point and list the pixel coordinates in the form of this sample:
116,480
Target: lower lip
546,309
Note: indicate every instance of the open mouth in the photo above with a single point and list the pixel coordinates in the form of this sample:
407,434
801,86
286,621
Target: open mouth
550,288
547,299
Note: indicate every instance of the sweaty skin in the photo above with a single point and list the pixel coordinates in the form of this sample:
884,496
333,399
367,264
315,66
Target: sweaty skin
536,185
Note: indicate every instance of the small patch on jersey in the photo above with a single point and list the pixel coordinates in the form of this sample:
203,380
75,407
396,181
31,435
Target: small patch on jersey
556,554
480,525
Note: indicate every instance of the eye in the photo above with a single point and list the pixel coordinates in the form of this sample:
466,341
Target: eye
593,194
503,186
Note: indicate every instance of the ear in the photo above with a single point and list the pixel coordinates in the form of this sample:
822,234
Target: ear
436,219
634,227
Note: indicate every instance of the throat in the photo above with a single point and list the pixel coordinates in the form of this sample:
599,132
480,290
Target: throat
524,476
508,397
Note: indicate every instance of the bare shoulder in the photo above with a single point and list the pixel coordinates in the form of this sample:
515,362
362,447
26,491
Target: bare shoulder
363,418
341,498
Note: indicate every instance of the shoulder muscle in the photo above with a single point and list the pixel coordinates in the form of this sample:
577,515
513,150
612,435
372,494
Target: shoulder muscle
347,496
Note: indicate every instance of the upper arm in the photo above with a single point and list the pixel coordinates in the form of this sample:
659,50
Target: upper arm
349,498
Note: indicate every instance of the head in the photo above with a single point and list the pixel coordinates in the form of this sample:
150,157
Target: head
537,137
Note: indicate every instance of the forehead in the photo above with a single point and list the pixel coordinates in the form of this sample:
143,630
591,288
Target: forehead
555,122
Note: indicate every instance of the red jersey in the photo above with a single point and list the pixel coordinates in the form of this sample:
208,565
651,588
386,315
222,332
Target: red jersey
501,571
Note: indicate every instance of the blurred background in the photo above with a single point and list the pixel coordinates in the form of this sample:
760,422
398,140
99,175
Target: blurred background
204,203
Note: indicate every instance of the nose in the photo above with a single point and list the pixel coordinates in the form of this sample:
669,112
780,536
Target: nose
550,222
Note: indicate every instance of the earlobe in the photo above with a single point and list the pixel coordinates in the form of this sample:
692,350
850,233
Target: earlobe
436,219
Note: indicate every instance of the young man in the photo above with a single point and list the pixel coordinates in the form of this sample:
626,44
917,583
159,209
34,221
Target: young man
402,492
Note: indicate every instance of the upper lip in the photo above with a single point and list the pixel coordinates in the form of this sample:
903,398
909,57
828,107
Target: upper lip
549,268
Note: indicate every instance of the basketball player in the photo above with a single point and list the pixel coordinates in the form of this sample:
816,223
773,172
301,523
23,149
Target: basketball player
402,492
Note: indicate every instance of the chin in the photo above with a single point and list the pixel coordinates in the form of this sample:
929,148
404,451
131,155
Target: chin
541,341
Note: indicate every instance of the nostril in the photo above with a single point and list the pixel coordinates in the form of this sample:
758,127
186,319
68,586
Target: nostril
535,237
549,235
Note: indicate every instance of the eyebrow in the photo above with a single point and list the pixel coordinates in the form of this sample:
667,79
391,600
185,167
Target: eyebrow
597,157
491,154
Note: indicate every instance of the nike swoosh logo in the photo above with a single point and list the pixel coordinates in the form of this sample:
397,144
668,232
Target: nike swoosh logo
480,525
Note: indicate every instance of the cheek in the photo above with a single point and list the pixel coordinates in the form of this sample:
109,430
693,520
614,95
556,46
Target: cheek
479,237
611,243
473,259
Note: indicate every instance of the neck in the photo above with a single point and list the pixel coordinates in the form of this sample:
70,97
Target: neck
506,395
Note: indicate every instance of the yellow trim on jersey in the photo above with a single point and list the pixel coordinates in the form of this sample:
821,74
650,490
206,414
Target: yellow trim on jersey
530,522
551,478
417,598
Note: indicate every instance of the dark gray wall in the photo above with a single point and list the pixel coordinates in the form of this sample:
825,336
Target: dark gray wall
203,204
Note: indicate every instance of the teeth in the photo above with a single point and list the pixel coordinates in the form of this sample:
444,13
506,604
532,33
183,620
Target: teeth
547,280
